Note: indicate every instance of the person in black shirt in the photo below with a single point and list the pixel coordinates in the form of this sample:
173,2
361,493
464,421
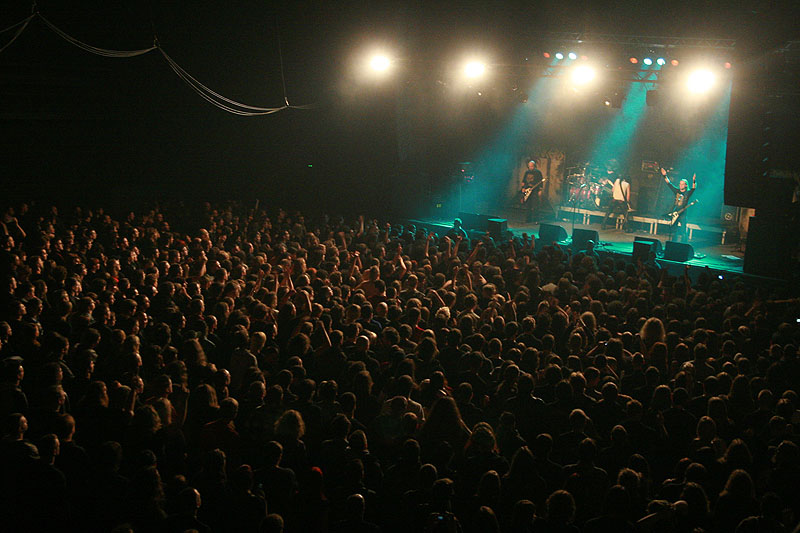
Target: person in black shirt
682,195
457,230
531,189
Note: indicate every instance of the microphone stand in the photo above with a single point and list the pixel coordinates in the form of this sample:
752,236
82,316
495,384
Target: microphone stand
574,201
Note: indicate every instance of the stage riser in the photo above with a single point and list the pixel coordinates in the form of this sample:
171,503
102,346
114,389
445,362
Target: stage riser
644,225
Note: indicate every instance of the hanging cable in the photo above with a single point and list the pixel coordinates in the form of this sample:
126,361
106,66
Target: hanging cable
210,91
213,97
23,21
280,57
216,99
209,94
283,75
93,49
24,24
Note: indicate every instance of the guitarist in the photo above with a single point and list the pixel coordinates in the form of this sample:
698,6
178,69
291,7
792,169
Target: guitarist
531,190
621,203
682,195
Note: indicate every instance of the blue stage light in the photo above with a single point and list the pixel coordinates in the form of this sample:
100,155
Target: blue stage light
661,61
647,61
559,56
573,56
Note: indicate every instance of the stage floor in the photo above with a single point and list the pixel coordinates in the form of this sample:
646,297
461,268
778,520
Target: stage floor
709,251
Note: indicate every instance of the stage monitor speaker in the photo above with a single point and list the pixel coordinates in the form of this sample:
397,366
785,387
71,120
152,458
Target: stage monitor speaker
656,243
472,221
475,221
498,227
678,251
581,236
548,233
641,250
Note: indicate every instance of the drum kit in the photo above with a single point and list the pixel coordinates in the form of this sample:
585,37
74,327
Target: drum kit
587,187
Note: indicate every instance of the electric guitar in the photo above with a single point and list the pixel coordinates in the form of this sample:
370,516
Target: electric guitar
525,192
675,214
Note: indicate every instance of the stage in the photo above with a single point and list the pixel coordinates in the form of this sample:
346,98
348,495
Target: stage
708,241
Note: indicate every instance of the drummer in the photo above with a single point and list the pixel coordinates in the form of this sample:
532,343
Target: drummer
612,167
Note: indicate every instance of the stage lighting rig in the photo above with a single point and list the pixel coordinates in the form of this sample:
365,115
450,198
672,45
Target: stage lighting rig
583,74
614,100
380,63
701,81
474,69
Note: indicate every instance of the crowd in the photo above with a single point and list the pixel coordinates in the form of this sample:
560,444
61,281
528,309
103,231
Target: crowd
226,370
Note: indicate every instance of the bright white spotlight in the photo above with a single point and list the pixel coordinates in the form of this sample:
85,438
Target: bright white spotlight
700,81
559,56
380,63
474,69
582,75
573,56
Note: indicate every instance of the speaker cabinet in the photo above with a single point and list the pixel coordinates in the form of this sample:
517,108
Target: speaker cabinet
641,251
549,233
475,221
655,242
770,242
581,236
498,227
678,251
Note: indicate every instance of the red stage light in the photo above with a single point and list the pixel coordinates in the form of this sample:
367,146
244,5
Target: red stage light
727,64
547,55
633,60
674,62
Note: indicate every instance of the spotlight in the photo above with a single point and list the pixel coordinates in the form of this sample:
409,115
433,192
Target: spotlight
633,60
546,55
661,61
607,102
582,75
474,69
700,81
727,64
380,63
647,61
559,56
573,56
674,62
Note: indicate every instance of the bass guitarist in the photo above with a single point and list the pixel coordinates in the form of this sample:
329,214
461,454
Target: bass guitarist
682,195
531,190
